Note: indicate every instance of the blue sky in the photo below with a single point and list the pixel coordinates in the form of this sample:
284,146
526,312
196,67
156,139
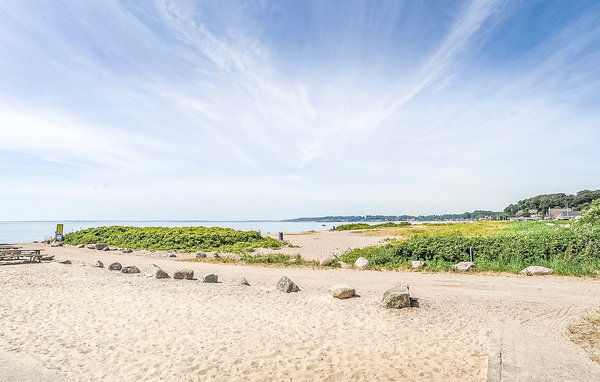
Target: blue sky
257,109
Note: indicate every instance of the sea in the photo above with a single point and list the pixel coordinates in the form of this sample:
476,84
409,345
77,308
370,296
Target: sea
29,231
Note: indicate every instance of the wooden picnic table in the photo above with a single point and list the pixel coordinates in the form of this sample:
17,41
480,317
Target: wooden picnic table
17,254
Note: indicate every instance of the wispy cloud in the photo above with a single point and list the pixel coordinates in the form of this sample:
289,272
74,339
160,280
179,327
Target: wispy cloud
254,107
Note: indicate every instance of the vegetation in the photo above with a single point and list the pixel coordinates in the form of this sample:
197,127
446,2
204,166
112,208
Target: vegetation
379,218
586,333
579,202
272,259
187,239
349,227
498,246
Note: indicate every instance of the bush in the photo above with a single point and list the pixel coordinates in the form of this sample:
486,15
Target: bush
178,238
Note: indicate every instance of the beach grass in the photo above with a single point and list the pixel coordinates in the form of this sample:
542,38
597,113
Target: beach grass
586,333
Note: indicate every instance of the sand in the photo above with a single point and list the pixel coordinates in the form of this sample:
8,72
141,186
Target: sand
87,324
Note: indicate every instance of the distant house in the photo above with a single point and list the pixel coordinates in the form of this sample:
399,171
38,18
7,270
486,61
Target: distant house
568,215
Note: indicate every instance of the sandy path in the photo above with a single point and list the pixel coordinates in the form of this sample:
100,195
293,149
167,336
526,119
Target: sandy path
93,324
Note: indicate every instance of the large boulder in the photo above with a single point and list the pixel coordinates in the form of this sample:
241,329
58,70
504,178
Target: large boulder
361,263
536,270
327,261
101,246
181,274
99,264
342,291
417,264
396,297
240,281
286,285
115,267
210,278
153,271
464,266
91,246
130,269
200,255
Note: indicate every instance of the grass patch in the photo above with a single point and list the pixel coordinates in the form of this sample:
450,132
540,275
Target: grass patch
586,333
185,239
273,259
355,226
498,247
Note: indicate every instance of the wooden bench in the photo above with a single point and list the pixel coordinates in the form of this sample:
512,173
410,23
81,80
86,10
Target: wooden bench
17,254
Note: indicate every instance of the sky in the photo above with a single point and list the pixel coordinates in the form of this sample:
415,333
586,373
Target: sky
265,110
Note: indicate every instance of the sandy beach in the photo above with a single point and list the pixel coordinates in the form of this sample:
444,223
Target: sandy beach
80,323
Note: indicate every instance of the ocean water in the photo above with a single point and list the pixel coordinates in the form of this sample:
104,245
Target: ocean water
28,231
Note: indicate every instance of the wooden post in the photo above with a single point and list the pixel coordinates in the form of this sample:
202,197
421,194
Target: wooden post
471,256
281,236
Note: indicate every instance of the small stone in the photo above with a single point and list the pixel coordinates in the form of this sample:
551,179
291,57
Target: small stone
91,246
81,246
56,243
237,258
210,278
65,262
342,291
240,281
130,269
396,297
286,285
417,264
536,270
292,260
327,261
171,255
126,250
115,267
464,266
181,274
200,255
101,246
344,265
99,264
153,271
361,263
105,249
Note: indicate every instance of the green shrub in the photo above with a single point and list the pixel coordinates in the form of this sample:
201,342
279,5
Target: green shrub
179,238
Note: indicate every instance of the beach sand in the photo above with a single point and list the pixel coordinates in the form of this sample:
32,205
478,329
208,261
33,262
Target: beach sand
81,323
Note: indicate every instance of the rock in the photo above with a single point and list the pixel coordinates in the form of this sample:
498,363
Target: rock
65,262
396,297
200,255
237,258
342,291
91,246
216,256
240,281
99,264
210,278
344,265
153,271
464,266
115,267
536,270
48,257
327,261
361,263
286,285
56,243
417,264
126,250
181,274
81,246
172,255
292,260
130,269
101,246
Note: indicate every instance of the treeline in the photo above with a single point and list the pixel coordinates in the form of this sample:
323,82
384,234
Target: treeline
378,218
578,202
